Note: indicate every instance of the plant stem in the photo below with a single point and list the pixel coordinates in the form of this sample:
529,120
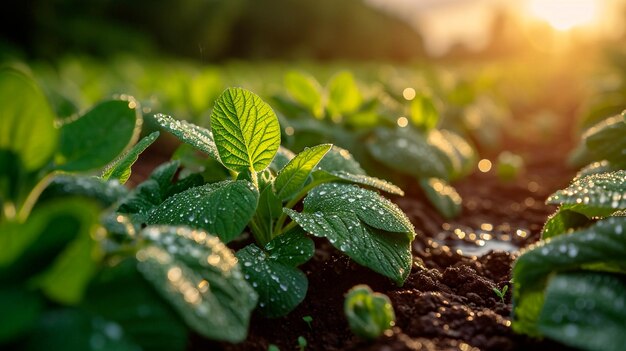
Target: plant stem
278,229
30,201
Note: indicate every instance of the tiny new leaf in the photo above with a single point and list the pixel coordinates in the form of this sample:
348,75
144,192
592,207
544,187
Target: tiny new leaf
121,168
295,174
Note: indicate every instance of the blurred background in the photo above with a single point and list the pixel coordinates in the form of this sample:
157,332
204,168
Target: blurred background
217,30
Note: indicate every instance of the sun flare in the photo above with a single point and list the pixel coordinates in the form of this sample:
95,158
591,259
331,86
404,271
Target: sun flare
565,14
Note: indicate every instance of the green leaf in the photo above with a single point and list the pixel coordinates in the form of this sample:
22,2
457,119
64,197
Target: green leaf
77,330
199,276
367,227
143,315
408,152
595,168
340,160
189,133
121,168
563,221
292,178
368,313
585,310
223,208
594,195
424,114
344,96
283,156
443,196
46,243
305,90
273,273
20,309
606,140
246,130
360,179
66,185
457,154
99,136
23,108
602,243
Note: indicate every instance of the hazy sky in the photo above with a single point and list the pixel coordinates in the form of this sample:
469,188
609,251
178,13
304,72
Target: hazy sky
444,23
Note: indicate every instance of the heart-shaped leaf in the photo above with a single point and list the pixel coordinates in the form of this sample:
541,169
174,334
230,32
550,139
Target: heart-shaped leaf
99,136
26,120
199,276
295,174
246,130
223,208
121,168
367,227
273,274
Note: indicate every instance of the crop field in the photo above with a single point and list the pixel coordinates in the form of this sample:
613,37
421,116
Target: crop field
315,175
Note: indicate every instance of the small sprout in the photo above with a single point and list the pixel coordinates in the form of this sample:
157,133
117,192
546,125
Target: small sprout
501,293
302,344
273,347
509,166
369,314
308,320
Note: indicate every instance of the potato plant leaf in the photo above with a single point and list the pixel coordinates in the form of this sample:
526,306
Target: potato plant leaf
443,196
367,227
273,274
292,178
600,246
457,154
121,168
136,306
23,107
246,130
407,152
189,133
200,277
594,195
98,136
67,185
585,310
223,208
563,221
338,159
606,141
360,179
305,90
344,96
424,114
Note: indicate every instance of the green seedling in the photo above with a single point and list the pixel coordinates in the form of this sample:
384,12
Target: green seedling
273,347
369,314
501,293
509,166
308,320
302,343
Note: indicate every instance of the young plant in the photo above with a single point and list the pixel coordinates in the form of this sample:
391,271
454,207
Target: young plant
308,320
369,314
501,293
268,182
302,343
570,286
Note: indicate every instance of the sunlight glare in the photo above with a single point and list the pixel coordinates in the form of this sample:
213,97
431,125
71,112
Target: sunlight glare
565,14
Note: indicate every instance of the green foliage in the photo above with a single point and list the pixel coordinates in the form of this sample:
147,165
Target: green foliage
121,168
305,90
246,130
98,136
368,228
302,343
509,166
292,178
443,196
369,314
201,279
23,107
344,96
424,114
501,293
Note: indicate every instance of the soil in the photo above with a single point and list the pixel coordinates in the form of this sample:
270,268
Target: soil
447,302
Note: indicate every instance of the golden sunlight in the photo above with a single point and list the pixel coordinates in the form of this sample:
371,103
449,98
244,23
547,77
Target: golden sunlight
565,14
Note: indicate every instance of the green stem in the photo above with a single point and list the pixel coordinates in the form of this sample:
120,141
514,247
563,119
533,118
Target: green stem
31,200
289,226
278,229
258,234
